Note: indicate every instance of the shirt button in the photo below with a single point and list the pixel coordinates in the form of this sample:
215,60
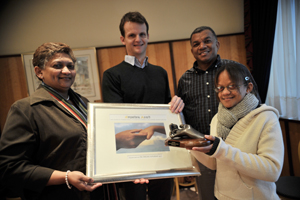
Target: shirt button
206,72
208,110
208,96
207,83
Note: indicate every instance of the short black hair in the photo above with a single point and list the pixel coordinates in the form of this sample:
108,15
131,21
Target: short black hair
200,29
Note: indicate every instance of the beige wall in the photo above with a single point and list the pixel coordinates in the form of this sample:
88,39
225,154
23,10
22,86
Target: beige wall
26,24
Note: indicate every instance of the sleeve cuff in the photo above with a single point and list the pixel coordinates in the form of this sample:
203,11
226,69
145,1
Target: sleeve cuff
39,179
214,147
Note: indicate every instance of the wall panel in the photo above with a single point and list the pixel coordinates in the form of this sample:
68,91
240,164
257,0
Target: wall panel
159,54
232,47
107,58
183,58
286,167
13,84
294,131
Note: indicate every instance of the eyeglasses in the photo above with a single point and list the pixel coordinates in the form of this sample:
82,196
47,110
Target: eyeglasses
229,88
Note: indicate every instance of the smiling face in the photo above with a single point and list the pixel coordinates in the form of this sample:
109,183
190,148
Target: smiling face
230,98
204,48
135,39
59,73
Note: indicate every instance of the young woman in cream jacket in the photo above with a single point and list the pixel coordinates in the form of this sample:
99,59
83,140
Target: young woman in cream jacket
247,152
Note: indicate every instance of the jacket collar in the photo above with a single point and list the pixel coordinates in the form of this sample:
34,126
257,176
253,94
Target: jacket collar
40,95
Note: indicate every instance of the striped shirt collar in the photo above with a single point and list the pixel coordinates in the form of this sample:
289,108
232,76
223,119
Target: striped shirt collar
214,65
134,61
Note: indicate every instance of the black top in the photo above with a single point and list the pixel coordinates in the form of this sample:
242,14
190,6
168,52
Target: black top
41,136
125,83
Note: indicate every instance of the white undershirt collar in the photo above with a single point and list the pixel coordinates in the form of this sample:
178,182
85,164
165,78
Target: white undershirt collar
135,62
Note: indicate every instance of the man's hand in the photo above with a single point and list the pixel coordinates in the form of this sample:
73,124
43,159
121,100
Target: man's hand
141,181
177,104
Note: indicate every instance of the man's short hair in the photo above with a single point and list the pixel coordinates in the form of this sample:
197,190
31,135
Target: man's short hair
132,17
200,29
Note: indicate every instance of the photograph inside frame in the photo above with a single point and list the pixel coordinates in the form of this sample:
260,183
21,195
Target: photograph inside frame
127,141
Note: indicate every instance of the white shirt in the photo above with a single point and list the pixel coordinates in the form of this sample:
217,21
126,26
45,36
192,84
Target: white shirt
135,62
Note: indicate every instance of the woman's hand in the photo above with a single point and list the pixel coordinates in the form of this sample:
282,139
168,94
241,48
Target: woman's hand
74,178
82,182
205,149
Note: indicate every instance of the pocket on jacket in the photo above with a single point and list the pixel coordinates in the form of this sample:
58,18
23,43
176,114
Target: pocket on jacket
232,186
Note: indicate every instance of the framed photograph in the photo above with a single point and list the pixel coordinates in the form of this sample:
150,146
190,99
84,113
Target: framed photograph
87,77
127,141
